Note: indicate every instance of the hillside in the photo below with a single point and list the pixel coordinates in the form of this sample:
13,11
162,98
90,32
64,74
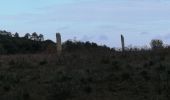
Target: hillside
86,71
31,69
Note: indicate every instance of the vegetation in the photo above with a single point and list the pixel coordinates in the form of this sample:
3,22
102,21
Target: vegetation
156,44
13,44
84,71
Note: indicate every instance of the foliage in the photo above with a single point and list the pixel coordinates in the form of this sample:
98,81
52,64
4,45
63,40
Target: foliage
156,44
13,44
94,74
16,35
27,36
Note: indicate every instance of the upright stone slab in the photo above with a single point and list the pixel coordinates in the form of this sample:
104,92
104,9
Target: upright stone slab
123,43
58,41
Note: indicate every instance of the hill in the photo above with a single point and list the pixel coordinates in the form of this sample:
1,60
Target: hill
86,74
84,71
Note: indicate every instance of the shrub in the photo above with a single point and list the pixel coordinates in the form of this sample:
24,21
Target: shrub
6,88
105,60
116,65
125,76
151,63
145,75
156,44
161,68
61,91
88,89
26,96
43,62
12,62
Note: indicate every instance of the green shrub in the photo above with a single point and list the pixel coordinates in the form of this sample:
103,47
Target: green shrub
125,76
6,88
12,62
88,89
145,75
105,60
156,44
44,62
26,96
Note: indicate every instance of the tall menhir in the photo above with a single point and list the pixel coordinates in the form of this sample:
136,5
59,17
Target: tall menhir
58,41
123,43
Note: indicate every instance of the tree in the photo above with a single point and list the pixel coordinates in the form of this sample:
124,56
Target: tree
16,35
41,37
6,33
156,44
27,36
34,36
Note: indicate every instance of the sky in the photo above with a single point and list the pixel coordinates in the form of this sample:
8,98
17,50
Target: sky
100,21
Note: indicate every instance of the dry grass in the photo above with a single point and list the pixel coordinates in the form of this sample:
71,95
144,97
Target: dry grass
84,76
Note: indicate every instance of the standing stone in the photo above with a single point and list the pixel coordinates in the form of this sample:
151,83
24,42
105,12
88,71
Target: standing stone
58,41
123,43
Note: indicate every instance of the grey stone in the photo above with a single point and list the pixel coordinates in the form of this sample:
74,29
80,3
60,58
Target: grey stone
123,43
58,41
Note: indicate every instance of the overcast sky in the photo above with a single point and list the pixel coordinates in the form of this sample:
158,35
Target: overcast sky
100,21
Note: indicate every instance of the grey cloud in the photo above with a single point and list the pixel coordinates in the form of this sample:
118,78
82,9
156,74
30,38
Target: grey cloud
63,28
144,33
103,37
167,36
87,38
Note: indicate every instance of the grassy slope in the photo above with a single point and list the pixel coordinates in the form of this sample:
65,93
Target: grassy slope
87,75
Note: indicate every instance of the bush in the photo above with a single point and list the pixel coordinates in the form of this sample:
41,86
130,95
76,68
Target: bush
105,60
88,89
156,44
43,62
125,76
145,75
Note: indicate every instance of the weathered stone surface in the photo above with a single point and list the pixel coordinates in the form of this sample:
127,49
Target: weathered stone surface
123,43
58,41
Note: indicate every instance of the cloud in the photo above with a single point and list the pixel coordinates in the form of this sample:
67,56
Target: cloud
167,36
87,38
144,33
63,28
90,20
103,38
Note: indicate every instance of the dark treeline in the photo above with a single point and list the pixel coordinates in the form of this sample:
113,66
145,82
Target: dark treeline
13,43
20,45
35,43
